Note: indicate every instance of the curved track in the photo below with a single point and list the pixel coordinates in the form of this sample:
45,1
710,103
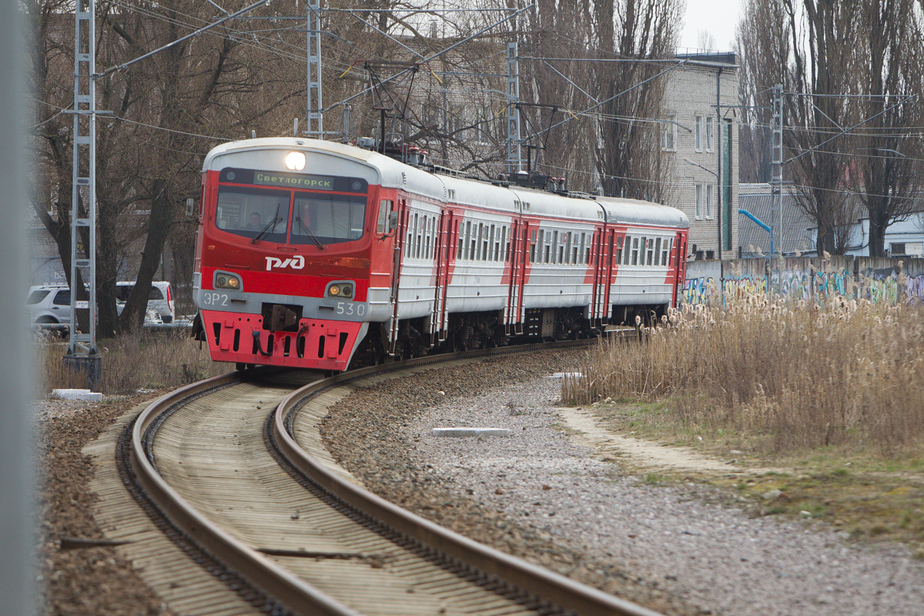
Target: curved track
235,472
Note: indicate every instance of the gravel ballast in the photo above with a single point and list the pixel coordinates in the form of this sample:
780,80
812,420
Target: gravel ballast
677,549
534,494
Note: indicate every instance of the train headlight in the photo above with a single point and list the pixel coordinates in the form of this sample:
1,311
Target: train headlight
295,161
340,289
224,280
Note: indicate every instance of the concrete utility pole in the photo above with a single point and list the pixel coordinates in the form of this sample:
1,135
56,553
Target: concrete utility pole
18,529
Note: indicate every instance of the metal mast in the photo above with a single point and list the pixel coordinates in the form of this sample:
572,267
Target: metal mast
82,351
776,182
315,116
514,158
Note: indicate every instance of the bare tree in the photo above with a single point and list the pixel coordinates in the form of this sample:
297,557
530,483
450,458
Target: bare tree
889,170
705,40
845,66
762,41
823,35
148,149
628,157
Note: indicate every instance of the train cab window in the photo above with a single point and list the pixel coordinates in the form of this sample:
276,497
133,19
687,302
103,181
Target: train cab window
327,219
634,251
256,213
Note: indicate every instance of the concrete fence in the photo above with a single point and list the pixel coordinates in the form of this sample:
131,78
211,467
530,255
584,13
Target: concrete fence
880,280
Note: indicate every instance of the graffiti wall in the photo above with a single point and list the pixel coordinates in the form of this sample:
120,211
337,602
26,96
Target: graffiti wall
744,278
702,283
880,280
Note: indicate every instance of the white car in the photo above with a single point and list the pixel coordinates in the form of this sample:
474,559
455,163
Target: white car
160,298
49,304
52,303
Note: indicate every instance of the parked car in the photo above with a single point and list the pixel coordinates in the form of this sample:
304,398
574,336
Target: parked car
52,303
49,304
160,298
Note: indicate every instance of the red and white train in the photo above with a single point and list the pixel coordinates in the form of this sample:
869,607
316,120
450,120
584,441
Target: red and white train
313,253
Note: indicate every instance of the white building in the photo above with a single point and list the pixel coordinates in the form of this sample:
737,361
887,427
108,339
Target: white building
700,129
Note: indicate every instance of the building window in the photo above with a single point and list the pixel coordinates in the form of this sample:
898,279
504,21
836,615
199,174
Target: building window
710,134
710,198
698,134
699,202
669,134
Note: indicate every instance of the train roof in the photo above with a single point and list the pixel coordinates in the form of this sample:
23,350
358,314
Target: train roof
390,173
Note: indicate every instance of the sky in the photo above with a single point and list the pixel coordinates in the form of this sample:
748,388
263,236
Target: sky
718,17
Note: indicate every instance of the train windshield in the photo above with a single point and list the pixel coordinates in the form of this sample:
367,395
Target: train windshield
326,218
257,213
263,215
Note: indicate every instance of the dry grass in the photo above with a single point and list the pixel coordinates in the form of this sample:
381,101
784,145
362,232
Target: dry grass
785,377
129,363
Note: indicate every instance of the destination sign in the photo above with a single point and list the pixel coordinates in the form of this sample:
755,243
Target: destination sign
292,180
296,181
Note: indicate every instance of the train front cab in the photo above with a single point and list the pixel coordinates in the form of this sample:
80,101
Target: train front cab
292,291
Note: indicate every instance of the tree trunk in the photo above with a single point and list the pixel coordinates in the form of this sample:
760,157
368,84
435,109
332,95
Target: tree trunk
158,229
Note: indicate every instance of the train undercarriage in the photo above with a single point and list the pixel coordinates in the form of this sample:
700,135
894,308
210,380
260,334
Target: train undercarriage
483,330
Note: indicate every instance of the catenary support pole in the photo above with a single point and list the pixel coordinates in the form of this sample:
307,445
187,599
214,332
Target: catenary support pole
17,518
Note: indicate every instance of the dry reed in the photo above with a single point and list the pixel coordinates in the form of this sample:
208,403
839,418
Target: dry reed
794,375
129,363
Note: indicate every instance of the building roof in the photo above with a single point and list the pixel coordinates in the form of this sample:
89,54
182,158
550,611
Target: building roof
724,58
757,200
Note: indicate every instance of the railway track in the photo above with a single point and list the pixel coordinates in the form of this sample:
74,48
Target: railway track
233,471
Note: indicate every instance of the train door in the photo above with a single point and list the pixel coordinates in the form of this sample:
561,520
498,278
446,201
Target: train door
596,294
602,273
680,266
400,238
444,242
519,242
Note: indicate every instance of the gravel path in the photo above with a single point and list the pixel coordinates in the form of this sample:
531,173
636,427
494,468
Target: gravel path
538,495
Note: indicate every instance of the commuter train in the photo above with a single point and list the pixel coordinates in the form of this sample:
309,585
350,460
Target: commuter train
318,254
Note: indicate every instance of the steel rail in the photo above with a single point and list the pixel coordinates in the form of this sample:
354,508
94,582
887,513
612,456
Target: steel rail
561,591
295,594
270,577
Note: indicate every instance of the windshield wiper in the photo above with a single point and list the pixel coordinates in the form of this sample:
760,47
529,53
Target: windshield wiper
309,233
270,225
